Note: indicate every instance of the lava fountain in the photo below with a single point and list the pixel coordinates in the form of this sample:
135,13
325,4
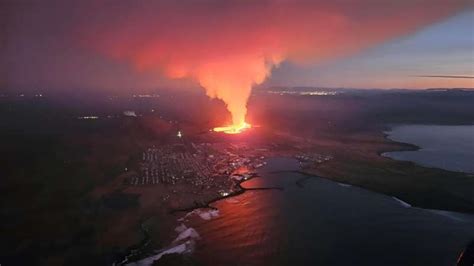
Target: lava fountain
233,129
230,79
228,47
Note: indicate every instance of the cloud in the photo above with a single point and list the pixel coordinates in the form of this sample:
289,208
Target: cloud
229,46
446,76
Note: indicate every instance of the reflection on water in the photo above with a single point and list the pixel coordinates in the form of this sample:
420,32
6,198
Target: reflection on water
447,147
236,236
324,223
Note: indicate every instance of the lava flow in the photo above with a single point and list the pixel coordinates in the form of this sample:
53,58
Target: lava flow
233,129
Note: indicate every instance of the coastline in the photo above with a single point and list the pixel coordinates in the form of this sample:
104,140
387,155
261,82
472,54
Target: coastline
340,170
391,154
190,240
365,167
137,249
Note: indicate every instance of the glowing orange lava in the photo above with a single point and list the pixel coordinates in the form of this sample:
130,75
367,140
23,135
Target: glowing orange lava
233,129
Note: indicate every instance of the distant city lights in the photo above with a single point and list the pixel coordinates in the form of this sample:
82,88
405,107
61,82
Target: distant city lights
305,93
130,113
224,194
146,95
88,117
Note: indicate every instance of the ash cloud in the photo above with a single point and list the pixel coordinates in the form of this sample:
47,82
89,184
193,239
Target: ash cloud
229,46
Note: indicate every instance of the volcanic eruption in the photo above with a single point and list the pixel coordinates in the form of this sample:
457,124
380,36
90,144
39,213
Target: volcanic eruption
230,46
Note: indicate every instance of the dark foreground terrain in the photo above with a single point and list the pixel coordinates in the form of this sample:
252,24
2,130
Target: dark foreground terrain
64,192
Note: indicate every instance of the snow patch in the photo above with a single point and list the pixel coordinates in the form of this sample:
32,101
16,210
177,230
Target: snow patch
204,214
188,233
344,185
184,243
185,247
180,228
208,215
404,204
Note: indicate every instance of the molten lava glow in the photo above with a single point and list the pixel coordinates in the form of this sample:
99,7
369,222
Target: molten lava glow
233,129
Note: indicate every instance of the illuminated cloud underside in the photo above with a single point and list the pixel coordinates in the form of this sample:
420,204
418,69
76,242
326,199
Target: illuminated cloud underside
227,47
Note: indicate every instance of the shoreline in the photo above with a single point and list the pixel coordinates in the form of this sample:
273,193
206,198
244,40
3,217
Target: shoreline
395,196
364,174
389,146
403,203
413,148
403,146
133,250
206,204
298,182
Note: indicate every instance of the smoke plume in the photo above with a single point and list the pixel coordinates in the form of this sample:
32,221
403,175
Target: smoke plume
229,46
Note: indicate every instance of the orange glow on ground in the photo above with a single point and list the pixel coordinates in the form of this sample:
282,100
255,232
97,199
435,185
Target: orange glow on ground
233,129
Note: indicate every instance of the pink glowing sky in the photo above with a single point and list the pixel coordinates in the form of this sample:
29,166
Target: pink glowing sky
119,45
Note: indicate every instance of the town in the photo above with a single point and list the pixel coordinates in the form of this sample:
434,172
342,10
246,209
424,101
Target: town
203,165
